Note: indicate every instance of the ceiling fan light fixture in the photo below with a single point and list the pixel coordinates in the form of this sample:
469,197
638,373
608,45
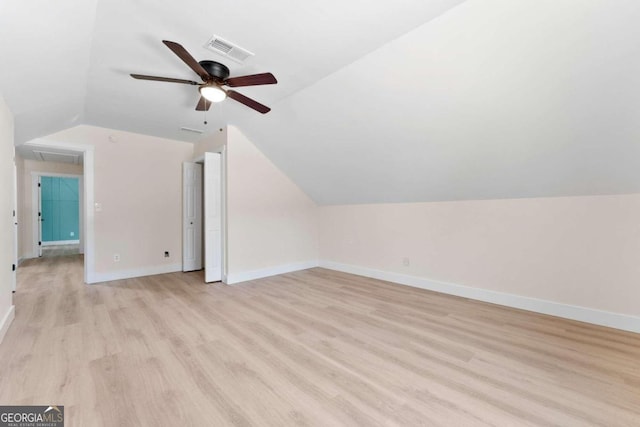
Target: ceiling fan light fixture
213,93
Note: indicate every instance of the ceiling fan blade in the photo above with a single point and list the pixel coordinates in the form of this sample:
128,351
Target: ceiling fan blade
163,79
203,104
248,101
187,59
252,80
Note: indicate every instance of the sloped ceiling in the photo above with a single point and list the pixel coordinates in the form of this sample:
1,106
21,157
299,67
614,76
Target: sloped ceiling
494,99
68,61
377,101
44,60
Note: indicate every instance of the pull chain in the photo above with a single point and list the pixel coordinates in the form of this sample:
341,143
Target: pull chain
205,110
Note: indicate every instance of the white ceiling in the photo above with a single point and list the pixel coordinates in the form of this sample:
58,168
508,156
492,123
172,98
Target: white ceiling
494,99
377,101
69,61
44,59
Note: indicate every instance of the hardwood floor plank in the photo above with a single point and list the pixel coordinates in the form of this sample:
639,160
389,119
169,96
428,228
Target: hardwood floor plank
310,348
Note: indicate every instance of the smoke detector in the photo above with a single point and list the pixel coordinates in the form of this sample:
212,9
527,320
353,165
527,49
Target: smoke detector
227,49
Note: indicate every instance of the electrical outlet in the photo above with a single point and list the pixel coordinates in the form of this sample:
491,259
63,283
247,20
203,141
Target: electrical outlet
116,257
406,262
166,254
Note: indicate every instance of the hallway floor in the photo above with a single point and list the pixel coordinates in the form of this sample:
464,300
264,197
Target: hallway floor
60,250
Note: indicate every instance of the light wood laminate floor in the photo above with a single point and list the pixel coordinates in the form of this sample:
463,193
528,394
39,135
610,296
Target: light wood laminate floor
315,348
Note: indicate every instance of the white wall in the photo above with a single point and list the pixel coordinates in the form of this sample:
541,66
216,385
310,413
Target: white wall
6,217
138,183
211,143
494,99
575,251
570,256
25,198
272,224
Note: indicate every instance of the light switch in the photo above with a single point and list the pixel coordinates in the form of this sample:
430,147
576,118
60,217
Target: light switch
98,207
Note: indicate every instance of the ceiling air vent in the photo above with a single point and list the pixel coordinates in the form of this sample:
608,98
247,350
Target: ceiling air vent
228,49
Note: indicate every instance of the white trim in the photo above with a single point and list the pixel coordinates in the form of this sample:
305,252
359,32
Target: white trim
582,314
6,321
56,175
61,242
136,272
244,276
14,225
89,215
35,208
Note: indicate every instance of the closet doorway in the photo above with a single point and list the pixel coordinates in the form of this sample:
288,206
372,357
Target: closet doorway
203,211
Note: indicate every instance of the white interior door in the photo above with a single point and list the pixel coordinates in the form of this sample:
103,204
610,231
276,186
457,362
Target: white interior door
191,216
212,217
15,225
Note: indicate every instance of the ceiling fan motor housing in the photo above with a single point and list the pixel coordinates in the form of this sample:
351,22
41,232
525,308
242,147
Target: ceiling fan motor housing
219,71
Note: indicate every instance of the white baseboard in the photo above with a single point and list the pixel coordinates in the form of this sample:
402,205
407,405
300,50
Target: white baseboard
6,321
583,314
129,274
243,276
61,242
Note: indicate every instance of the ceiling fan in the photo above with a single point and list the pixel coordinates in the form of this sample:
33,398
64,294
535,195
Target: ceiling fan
214,75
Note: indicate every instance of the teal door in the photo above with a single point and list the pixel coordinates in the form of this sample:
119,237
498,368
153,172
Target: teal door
60,208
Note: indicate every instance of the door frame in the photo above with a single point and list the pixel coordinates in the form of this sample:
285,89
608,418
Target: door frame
223,199
88,153
16,260
36,202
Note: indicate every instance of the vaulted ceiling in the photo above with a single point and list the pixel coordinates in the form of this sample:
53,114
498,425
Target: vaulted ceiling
68,62
377,101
